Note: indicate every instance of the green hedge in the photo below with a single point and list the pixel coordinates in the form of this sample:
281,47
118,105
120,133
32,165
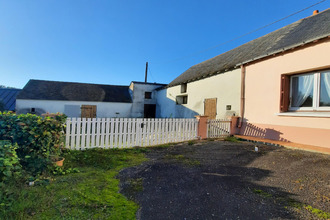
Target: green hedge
9,161
38,139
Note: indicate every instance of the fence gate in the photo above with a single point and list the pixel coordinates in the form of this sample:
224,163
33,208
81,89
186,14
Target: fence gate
82,133
218,128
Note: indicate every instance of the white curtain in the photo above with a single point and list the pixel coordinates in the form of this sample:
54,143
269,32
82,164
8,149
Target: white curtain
303,89
326,77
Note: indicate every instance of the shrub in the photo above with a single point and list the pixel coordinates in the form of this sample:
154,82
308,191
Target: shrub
37,138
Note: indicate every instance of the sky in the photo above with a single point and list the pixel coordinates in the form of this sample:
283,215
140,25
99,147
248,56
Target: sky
110,41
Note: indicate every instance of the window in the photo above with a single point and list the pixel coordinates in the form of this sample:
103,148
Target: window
308,92
183,87
147,95
181,100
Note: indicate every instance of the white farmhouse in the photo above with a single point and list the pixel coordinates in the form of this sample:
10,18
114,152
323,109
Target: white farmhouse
74,99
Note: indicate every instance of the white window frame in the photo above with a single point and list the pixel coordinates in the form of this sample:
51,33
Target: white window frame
316,93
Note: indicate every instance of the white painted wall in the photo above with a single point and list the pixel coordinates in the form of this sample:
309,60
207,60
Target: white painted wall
72,108
137,91
226,87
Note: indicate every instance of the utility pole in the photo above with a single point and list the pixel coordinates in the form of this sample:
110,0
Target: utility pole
146,75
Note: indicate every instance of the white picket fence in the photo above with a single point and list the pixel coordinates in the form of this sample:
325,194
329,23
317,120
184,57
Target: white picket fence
127,132
218,128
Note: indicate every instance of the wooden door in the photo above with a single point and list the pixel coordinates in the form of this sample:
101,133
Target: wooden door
210,108
88,111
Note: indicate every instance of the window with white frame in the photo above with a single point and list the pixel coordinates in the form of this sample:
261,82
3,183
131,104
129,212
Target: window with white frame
310,91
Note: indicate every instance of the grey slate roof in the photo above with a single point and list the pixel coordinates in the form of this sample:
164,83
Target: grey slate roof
8,98
70,91
298,33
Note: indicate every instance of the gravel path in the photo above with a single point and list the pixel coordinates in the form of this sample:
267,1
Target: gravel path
226,180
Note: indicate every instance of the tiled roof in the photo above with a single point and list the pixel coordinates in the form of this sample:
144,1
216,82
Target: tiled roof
70,91
298,33
8,98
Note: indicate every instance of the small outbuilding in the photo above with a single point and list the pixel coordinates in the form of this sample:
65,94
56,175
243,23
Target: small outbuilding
74,99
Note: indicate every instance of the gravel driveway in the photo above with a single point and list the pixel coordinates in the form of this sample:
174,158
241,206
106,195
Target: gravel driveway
229,180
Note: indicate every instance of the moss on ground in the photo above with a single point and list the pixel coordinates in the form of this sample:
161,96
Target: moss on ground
294,204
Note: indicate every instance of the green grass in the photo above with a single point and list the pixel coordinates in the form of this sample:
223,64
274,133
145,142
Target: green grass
182,159
90,194
231,139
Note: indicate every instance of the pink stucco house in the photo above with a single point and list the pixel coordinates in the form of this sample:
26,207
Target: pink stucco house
278,85
287,93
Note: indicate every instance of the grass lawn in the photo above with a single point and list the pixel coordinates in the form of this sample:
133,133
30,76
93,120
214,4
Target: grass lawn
90,194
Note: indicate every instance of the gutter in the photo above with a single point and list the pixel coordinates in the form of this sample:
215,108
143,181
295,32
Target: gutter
242,108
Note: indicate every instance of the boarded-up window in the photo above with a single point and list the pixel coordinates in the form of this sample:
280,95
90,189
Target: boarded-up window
210,108
88,111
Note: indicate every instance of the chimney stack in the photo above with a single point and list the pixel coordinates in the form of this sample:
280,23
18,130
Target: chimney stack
146,74
315,12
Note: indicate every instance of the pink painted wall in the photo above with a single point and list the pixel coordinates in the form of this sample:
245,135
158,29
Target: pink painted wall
262,96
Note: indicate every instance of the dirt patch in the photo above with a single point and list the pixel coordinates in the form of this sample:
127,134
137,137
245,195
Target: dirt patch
226,180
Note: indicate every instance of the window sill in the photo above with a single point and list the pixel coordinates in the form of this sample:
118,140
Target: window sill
306,114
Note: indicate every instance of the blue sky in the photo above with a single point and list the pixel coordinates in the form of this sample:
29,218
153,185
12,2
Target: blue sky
108,42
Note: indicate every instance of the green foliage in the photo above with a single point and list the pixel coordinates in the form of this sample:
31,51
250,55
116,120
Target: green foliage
9,161
93,193
37,138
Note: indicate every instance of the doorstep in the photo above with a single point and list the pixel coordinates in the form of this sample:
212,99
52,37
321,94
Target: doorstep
285,144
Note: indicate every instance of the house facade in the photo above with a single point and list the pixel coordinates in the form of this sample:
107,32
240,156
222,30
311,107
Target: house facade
137,100
302,114
144,99
216,96
278,84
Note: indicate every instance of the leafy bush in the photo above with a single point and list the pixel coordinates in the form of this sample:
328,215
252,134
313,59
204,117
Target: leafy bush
9,161
37,138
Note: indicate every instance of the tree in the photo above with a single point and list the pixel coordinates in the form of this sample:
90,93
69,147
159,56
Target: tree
6,87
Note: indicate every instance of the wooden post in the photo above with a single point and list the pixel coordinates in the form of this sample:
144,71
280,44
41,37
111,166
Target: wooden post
202,126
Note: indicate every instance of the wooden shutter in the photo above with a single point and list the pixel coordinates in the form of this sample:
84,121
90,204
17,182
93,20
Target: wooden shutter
285,93
88,111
